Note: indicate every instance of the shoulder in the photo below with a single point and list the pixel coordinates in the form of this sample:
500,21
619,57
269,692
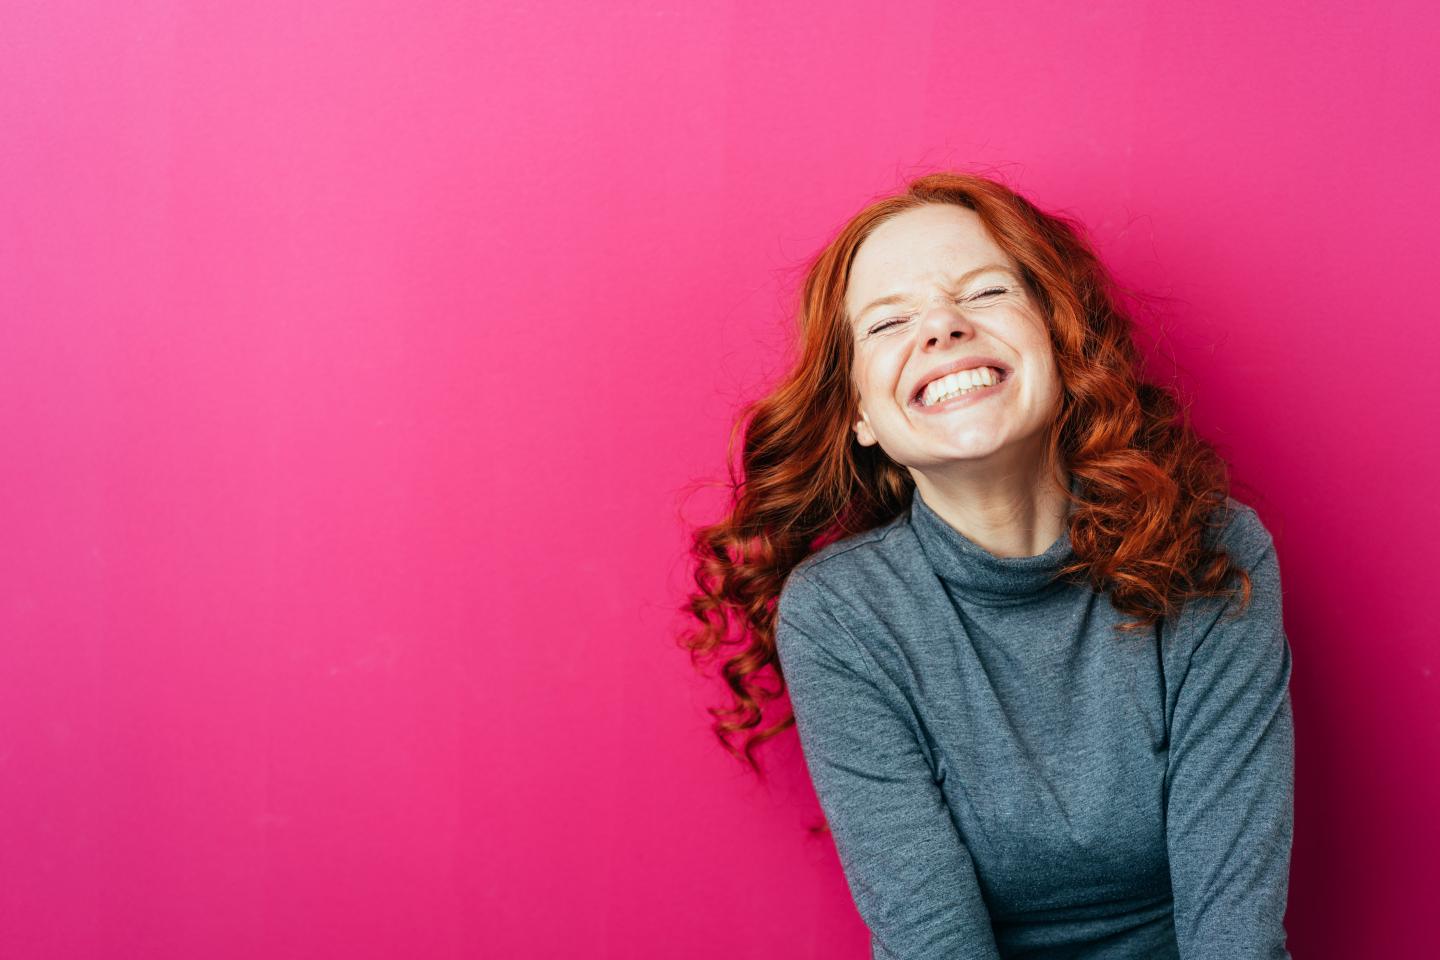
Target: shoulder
1248,543
1243,535
846,571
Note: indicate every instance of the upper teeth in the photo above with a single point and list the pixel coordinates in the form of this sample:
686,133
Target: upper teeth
956,383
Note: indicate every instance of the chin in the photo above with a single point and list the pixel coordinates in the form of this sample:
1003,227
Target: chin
960,454
972,447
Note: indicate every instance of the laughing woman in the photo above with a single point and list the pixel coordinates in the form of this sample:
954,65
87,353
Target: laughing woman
1032,645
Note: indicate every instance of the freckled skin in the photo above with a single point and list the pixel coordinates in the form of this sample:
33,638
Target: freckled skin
920,253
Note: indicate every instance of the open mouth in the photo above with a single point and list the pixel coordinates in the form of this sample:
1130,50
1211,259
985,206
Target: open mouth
973,381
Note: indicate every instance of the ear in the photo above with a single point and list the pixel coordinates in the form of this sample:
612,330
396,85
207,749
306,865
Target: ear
863,433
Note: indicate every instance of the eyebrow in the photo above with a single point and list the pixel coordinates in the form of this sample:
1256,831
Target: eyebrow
967,275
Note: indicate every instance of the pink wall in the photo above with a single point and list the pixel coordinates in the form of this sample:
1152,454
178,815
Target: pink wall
357,359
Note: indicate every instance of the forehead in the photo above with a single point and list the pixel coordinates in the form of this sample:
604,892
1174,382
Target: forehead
931,243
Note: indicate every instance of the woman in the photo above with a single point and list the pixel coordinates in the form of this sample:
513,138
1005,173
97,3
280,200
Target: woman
1032,646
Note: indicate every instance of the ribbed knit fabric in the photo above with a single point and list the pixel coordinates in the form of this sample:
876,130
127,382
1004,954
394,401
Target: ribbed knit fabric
1006,775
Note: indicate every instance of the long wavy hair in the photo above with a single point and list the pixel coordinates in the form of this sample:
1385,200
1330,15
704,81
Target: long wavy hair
1150,493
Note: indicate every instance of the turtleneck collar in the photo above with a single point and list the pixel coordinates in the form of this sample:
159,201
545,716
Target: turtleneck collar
976,573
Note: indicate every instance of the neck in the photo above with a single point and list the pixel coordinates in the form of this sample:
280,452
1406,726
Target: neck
1010,510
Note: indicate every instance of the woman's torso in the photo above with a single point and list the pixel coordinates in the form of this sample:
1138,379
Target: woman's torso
1043,725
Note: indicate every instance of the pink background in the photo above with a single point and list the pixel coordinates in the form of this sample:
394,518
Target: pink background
360,363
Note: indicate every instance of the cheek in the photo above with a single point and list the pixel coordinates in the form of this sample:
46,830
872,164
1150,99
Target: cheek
872,382
1052,388
1044,379
1042,351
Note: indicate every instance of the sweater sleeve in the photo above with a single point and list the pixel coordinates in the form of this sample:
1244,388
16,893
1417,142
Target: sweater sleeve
909,871
1230,779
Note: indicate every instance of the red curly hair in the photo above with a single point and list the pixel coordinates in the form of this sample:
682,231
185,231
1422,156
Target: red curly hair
1150,493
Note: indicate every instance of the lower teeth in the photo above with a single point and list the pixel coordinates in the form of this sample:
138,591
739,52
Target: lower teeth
961,393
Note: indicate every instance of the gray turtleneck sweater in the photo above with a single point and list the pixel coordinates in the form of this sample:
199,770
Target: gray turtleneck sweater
1005,775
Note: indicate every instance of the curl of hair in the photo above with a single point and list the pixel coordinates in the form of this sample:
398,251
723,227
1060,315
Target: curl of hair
1148,506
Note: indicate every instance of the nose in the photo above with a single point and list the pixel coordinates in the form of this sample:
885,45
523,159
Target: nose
942,321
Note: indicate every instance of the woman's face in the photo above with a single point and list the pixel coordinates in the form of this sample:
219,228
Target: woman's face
951,299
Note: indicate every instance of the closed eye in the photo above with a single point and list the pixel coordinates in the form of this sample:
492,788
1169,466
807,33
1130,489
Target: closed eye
983,294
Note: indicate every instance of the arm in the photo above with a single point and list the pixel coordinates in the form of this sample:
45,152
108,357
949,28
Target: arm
1230,782
908,870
